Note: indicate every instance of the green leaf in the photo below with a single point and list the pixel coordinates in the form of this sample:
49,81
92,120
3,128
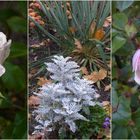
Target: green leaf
18,49
1,99
128,48
120,132
122,5
1,96
123,113
22,8
114,32
7,133
6,13
117,43
115,99
14,78
130,29
136,114
17,24
18,131
120,20
136,117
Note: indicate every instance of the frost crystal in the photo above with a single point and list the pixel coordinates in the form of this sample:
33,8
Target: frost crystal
62,102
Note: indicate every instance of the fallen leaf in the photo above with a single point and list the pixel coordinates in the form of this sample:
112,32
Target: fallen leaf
99,34
97,76
43,43
35,45
100,135
84,70
107,133
42,81
34,100
29,116
107,107
72,30
105,103
107,88
36,136
107,21
102,74
33,71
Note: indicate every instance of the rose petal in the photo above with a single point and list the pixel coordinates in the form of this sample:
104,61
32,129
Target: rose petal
137,77
3,39
136,60
4,52
2,70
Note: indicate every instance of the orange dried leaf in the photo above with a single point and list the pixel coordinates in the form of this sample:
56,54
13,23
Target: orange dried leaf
93,77
107,88
99,34
97,76
34,100
72,30
102,74
33,71
36,136
100,135
106,103
32,14
42,81
84,70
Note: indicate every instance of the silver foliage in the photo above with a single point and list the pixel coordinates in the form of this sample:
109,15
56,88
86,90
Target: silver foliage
62,102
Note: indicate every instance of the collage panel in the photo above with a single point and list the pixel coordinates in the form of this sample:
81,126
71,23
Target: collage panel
69,69
126,70
13,70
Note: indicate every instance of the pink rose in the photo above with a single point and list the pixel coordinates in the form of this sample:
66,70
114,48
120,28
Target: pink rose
136,66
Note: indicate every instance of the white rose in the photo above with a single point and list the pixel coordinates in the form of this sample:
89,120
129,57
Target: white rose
2,70
4,51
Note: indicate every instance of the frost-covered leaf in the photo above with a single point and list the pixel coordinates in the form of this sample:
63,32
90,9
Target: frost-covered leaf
89,103
38,127
62,102
78,116
46,123
71,107
60,111
62,68
72,125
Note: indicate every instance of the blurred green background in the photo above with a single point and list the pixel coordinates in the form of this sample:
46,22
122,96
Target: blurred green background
13,85
125,93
